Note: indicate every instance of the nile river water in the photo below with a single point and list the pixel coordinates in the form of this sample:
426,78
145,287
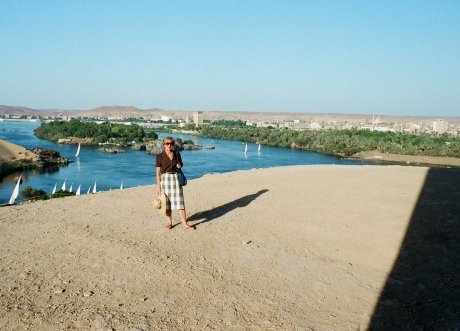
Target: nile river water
135,168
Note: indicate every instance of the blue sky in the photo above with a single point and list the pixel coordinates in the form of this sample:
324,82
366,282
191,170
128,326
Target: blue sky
382,57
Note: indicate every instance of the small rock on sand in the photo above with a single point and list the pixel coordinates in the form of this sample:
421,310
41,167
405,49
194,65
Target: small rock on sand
87,294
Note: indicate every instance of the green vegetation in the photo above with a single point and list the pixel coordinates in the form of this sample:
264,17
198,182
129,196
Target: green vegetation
343,143
189,127
99,133
33,194
171,127
62,194
151,134
11,167
230,123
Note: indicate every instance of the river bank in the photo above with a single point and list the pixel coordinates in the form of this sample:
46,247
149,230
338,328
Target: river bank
288,248
338,144
15,158
376,156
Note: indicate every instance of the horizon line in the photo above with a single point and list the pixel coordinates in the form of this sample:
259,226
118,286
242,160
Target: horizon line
222,111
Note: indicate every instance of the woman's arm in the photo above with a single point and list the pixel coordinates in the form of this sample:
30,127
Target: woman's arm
179,161
158,171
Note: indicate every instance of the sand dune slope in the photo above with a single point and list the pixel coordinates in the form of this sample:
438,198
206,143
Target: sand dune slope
12,152
294,248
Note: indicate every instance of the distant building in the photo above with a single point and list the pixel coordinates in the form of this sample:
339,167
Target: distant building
440,126
7,115
376,120
198,118
413,127
383,129
315,126
262,124
165,118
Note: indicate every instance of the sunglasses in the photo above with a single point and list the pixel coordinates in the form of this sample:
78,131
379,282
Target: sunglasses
168,143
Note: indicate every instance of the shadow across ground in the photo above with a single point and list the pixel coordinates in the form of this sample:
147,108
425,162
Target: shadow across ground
422,291
212,214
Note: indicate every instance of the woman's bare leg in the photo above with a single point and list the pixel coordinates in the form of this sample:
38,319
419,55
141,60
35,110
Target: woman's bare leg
169,215
183,217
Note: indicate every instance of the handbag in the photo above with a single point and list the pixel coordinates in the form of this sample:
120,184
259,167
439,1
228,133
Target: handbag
181,177
180,174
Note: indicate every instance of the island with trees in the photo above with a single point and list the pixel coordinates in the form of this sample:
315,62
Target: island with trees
77,131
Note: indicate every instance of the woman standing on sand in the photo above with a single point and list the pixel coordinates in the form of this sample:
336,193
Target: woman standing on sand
167,164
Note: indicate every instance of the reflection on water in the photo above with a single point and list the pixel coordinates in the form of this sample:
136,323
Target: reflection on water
136,168
47,170
77,162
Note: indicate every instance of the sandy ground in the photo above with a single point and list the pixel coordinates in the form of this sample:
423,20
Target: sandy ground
408,159
291,248
11,152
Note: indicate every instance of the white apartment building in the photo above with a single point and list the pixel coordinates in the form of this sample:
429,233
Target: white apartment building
440,126
198,118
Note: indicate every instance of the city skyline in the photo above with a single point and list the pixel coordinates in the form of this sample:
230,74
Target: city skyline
295,57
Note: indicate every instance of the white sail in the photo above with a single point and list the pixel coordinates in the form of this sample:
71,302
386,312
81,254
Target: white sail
78,190
78,151
15,192
54,189
63,186
258,148
89,189
246,149
94,187
70,188
121,186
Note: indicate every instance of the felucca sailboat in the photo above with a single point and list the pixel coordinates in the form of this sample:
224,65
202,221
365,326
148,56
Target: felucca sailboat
15,193
78,151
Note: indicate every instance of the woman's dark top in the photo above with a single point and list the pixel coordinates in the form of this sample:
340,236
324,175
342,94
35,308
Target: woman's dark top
168,165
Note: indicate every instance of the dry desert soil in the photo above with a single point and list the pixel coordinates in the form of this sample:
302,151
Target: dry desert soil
290,248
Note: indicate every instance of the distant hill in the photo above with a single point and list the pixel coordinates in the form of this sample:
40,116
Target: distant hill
117,111
19,110
16,110
102,111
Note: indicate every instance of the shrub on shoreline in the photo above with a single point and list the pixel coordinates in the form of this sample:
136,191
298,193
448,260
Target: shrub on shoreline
34,194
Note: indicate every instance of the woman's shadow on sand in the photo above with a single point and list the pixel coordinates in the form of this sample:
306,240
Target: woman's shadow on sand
212,214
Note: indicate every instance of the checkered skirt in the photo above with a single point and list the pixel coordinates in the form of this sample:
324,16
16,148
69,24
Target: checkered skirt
173,191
